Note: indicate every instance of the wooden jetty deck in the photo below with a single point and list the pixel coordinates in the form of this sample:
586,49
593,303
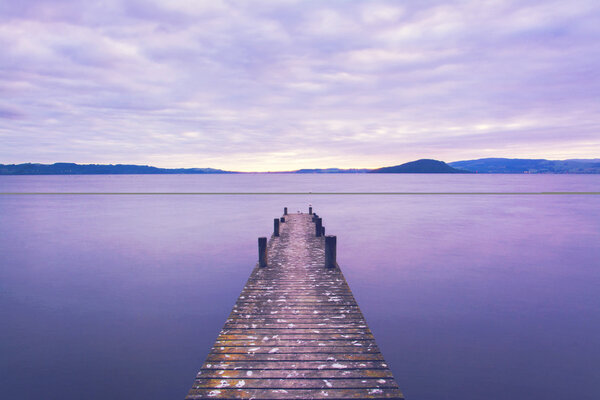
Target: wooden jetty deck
296,331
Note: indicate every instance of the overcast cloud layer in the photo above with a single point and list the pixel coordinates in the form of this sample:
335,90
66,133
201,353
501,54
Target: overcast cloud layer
272,85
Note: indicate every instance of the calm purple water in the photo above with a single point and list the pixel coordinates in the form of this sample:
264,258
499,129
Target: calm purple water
469,297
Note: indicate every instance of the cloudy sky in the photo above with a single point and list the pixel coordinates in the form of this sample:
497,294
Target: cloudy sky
283,84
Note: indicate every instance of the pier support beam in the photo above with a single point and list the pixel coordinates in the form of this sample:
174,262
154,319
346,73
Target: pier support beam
276,227
262,252
330,251
318,227
284,210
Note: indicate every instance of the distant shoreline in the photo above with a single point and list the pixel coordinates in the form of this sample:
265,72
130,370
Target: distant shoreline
423,166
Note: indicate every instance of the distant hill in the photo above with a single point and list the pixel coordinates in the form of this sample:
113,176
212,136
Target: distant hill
424,166
532,166
97,169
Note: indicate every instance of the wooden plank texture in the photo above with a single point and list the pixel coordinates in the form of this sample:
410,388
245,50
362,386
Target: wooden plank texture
295,332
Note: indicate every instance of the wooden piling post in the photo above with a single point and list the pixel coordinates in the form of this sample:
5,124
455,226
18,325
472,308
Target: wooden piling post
310,210
284,210
330,251
318,227
282,219
276,227
323,230
262,251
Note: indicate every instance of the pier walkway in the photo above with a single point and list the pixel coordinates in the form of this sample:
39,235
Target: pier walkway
296,331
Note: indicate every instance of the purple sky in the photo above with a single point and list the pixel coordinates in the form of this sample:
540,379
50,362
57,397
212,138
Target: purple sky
273,85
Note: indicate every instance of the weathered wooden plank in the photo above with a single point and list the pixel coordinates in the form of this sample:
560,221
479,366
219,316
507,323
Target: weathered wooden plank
296,349
279,316
289,365
296,343
286,314
295,332
296,298
306,373
298,323
300,309
290,383
241,324
217,357
317,311
318,288
291,288
282,291
299,319
257,394
277,340
296,304
305,336
296,317
295,328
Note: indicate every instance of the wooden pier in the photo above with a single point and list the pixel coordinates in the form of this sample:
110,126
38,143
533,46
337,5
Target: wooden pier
296,331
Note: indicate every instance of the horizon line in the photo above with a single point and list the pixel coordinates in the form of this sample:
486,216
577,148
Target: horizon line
294,193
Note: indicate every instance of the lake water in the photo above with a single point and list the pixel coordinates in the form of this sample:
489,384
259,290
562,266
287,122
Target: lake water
469,296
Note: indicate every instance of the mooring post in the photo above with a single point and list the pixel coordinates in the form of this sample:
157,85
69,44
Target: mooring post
282,219
284,210
276,227
310,210
330,251
262,251
323,230
318,227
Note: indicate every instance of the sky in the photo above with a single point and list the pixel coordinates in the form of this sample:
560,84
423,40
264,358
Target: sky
283,84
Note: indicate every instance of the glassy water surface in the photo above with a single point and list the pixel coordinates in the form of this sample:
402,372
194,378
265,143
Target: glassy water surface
469,296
